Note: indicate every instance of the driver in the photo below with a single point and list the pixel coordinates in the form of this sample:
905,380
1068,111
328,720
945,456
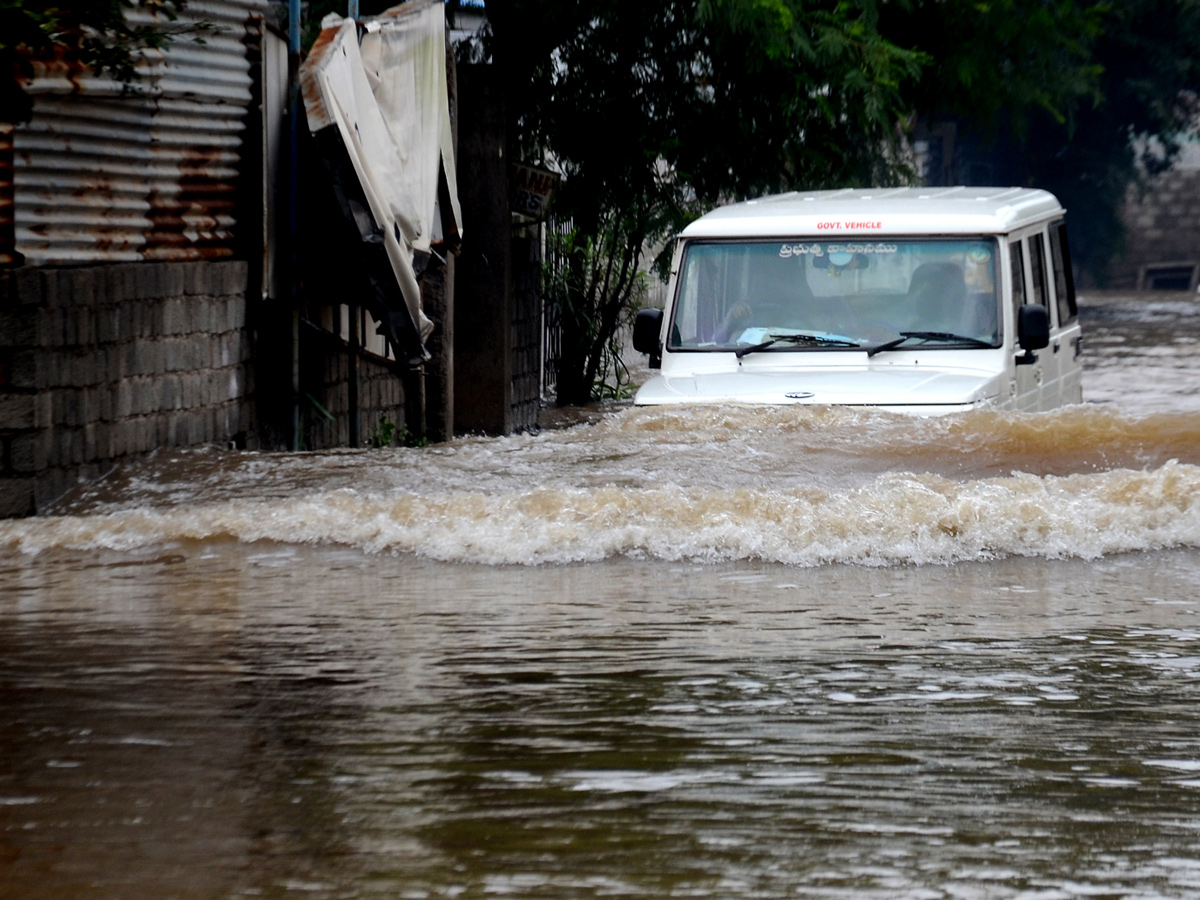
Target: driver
778,296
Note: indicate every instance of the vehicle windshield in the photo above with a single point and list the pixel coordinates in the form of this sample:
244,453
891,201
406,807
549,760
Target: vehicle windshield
840,293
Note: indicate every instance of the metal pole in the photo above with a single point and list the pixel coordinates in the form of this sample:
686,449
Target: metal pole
352,386
294,205
353,316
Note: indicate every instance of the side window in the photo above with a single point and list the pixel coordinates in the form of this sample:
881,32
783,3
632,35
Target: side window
1064,281
1037,267
1018,277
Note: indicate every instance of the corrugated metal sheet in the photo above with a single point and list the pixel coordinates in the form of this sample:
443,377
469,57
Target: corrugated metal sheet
8,238
105,175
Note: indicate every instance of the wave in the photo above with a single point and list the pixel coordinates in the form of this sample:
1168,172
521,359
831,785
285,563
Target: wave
785,448
895,518
1069,437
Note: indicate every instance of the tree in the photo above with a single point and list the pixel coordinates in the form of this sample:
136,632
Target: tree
1147,106
1082,98
656,111
94,34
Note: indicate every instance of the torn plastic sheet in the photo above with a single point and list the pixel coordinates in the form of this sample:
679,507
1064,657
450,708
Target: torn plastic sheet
376,99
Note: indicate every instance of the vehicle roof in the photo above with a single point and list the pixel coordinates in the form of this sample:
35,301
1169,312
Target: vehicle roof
881,211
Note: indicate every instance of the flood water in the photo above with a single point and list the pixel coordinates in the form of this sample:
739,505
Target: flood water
708,653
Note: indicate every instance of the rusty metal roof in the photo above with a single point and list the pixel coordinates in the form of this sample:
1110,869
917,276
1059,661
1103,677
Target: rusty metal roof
105,174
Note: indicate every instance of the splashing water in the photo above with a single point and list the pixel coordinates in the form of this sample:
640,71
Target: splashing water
800,486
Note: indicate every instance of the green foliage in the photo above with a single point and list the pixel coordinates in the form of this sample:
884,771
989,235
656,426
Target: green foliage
382,434
1057,91
677,105
387,433
1148,87
593,288
93,34
1004,64
657,111
408,439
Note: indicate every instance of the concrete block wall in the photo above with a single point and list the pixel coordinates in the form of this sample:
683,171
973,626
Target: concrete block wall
1162,226
380,399
101,364
325,378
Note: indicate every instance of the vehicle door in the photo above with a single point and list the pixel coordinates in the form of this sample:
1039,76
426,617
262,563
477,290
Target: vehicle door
1066,339
1027,381
1050,391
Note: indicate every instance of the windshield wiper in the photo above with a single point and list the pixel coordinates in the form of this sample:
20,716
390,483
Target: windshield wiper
813,340
944,336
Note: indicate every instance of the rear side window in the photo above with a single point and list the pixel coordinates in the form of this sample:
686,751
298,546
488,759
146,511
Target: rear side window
1064,282
1037,265
1017,257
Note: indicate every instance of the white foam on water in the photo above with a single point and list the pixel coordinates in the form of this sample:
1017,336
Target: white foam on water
621,781
844,697
1179,765
788,779
898,518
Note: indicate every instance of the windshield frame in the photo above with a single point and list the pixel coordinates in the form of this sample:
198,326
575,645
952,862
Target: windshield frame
994,340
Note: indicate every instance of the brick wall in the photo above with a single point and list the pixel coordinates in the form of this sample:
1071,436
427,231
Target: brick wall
102,364
1163,228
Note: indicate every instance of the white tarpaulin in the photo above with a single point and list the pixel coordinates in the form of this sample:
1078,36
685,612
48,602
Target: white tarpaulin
387,97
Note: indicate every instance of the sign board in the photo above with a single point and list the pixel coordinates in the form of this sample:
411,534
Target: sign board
530,190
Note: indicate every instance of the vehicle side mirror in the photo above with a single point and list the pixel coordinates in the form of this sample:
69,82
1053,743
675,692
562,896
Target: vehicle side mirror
1033,331
646,329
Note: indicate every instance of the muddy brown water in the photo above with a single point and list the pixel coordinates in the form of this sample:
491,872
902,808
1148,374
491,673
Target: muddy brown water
708,653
